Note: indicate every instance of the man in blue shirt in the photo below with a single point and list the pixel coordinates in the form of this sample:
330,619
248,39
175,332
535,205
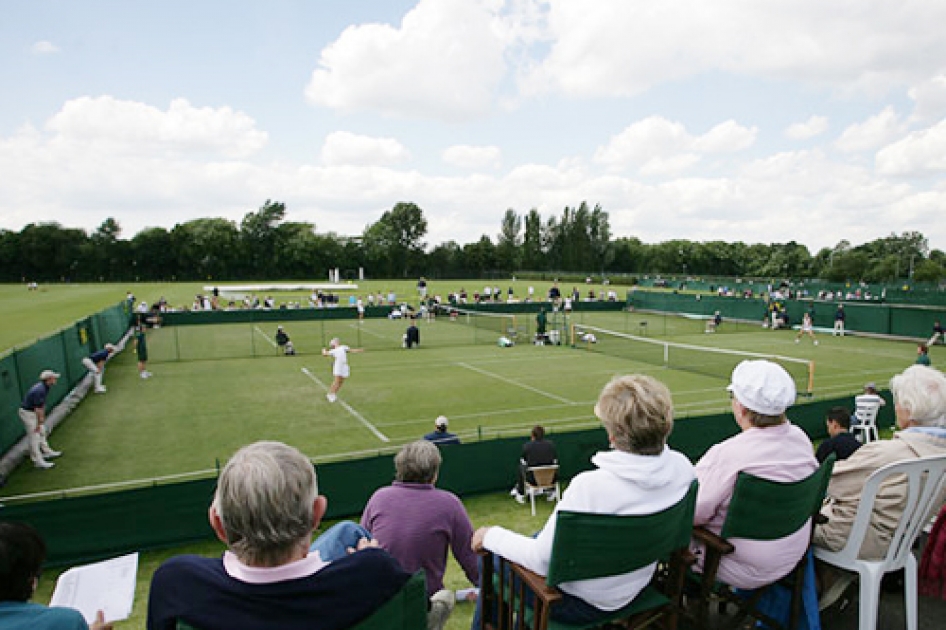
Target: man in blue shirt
440,435
33,415
95,363
265,508
840,440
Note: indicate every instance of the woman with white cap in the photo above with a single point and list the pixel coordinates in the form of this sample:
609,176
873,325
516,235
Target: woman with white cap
767,446
340,370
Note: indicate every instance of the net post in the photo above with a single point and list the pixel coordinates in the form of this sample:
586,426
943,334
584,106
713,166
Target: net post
571,335
811,377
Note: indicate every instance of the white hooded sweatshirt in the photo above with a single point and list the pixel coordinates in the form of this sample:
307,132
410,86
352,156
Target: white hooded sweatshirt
623,484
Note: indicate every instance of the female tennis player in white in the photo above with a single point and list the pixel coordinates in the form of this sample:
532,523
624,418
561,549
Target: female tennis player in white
340,370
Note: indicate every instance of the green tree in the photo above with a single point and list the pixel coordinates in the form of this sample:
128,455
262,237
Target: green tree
533,253
206,249
259,238
508,245
394,242
152,255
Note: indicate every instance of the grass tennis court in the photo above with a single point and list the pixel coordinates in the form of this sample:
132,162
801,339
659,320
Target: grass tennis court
234,388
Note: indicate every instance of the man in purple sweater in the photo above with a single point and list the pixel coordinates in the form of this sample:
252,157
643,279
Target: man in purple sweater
416,522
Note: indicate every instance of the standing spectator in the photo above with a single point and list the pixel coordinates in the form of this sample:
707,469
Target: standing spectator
541,324
417,523
555,294
95,363
422,287
360,306
22,553
440,435
839,317
712,324
536,452
938,333
922,355
141,352
340,369
840,440
33,415
265,508
768,446
412,336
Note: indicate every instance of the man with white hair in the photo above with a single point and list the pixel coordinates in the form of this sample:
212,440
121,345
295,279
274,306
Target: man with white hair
266,506
95,363
768,446
33,415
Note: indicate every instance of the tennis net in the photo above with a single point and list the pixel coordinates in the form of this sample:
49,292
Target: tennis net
714,362
500,323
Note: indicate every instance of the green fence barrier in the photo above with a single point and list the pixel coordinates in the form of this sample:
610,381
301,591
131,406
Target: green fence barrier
81,529
62,352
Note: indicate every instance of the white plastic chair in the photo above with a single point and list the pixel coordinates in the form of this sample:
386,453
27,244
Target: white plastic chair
925,480
866,414
546,479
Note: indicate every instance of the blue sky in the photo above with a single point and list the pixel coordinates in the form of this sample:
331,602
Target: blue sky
728,120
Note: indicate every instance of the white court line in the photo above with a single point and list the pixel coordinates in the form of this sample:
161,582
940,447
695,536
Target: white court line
358,416
512,382
370,332
265,336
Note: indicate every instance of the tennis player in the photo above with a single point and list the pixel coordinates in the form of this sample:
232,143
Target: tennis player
340,370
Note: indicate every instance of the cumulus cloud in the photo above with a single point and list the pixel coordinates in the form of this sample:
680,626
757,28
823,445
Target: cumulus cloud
922,152
617,48
344,148
814,126
44,47
929,99
445,60
133,127
874,132
657,146
470,157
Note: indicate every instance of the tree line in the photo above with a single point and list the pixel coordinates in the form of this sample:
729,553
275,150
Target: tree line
265,246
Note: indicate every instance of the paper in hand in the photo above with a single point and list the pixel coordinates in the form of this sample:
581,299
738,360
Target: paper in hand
108,585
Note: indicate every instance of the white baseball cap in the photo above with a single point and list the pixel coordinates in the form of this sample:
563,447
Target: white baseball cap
48,374
763,386
441,421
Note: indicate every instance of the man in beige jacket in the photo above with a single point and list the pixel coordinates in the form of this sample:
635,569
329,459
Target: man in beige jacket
919,395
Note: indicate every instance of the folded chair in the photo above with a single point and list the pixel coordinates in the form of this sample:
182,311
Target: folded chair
406,610
925,483
590,546
760,509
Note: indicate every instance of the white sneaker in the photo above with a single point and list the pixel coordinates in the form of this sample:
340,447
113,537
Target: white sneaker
331,397
52,454
519,498
816,342
100,390
43,465
796,341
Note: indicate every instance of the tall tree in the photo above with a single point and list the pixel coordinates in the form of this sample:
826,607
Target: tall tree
258,238
395,240
533,257
507,247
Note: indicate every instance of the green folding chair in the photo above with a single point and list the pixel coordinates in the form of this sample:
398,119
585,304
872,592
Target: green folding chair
590,546
406,610
761,509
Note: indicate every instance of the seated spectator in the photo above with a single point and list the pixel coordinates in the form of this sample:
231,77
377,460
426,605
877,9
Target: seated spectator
22,553
768,446
641,475
265,509
283,341
840,440
869,397
440,435
922,355
919,395
536,452
712,324
417,523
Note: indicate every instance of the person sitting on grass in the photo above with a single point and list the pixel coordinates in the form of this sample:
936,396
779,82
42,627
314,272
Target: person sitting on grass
22,553
840,440
640,475
265,508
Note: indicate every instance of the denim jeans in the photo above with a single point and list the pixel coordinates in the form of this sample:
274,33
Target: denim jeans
334,542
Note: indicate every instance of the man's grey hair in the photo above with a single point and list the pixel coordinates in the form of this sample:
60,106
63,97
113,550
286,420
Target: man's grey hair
921,391
417,462
265,499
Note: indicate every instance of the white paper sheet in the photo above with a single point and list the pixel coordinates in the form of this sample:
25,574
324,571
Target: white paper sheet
108,585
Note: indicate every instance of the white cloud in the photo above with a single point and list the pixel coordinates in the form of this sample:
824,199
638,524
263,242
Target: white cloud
620,48
444,61
930,99
132,127
659,147
470,157
921,152
814,126
343,148
44,47
874,132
